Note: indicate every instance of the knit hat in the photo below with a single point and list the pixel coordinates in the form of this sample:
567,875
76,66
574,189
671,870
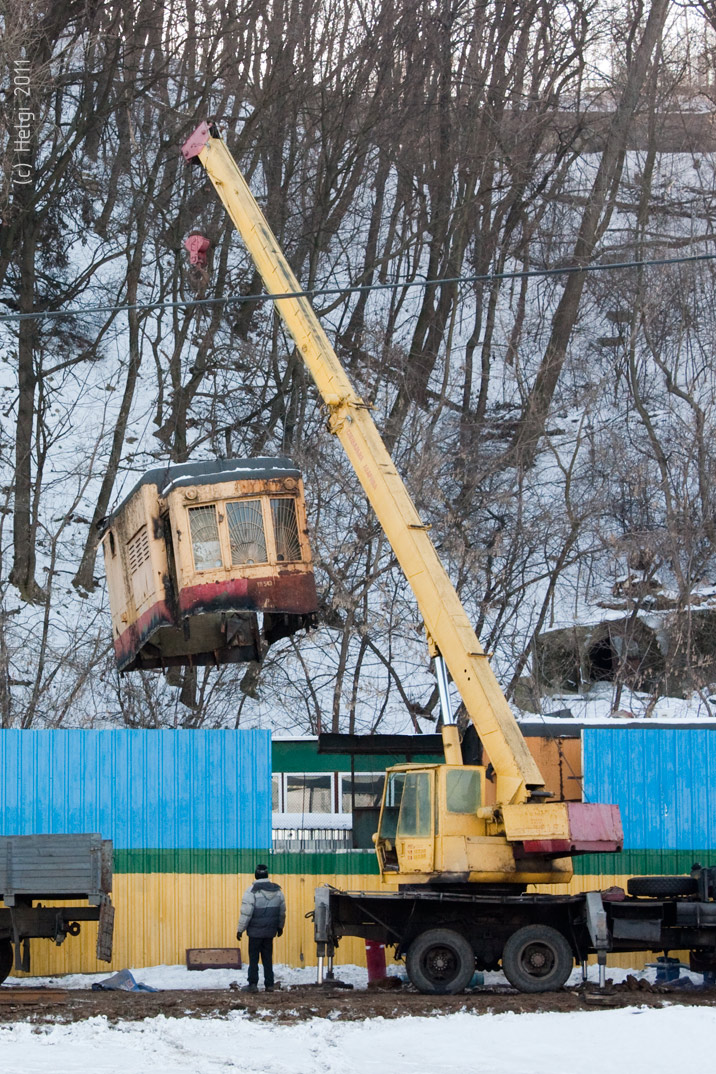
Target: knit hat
261,872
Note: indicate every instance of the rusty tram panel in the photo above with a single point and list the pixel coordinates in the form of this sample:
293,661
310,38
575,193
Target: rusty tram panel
197,551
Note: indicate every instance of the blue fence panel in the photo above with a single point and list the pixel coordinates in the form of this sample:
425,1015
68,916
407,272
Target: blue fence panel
142,789
663,779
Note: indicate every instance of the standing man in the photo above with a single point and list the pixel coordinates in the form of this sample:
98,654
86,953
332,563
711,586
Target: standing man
263,915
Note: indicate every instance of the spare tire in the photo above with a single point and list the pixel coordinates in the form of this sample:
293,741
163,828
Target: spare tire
662,886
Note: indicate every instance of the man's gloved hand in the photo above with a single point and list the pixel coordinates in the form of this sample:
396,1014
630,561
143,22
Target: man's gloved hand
239,935
280,932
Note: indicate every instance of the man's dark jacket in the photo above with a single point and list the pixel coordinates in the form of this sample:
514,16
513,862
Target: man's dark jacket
263,910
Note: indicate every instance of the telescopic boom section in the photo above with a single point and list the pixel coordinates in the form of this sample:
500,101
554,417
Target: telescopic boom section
449,630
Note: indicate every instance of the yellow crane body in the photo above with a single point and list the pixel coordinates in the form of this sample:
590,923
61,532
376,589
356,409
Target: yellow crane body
449,630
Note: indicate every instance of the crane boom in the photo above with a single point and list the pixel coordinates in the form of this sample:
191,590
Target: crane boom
450,632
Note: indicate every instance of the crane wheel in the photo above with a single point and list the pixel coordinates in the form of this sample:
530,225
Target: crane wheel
662,886
5,959
537,958
440,962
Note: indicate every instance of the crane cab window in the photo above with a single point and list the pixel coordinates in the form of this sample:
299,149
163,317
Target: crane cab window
285,528
415,810
246,532
205,542
391,805
462,791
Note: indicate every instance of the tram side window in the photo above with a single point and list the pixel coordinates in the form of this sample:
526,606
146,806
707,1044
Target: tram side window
285,527
205,543
246,532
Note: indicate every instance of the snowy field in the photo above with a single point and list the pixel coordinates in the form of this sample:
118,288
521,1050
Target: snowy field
634,1039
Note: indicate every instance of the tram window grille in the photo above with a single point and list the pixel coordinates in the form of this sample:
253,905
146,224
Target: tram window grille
246,532
285,526
205,538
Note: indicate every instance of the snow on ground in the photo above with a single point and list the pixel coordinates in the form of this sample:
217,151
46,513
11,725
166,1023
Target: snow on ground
168,978
179,977
596,706
634,1039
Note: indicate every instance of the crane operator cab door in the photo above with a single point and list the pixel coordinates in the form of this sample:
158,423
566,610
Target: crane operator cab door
431,823
406,835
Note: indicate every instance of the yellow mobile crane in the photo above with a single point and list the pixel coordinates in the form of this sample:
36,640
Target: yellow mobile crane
434,826
454,870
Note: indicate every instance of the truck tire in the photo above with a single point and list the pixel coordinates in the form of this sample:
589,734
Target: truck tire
5,959
662,886
440,962
537,958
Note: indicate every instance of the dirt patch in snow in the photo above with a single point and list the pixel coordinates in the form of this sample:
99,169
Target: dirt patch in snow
302,1002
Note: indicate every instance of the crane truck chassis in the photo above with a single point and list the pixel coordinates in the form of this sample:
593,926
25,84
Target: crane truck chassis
445,935
455,871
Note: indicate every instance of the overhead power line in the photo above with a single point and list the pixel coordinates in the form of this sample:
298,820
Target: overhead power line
321,292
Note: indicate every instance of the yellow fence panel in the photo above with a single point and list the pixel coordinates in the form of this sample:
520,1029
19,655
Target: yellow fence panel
160,915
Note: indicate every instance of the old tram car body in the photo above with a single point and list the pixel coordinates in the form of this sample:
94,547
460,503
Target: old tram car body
197,551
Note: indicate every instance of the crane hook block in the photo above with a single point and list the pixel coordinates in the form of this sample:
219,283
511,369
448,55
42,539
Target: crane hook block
197,245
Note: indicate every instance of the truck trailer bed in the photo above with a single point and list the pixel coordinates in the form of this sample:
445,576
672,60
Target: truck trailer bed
37,869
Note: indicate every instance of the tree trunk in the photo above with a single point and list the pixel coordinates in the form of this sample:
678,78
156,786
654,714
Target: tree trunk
595,219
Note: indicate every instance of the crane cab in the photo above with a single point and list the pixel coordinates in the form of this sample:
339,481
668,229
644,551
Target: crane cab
197,552
435,829
421,802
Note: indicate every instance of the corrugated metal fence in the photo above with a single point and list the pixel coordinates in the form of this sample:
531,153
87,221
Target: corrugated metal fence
190,813
664,781
145,790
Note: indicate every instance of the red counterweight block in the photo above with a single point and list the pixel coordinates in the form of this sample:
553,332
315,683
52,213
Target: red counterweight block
198,246
594,828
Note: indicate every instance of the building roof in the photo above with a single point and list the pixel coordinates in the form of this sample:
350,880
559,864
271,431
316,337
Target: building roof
212,472
400,745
